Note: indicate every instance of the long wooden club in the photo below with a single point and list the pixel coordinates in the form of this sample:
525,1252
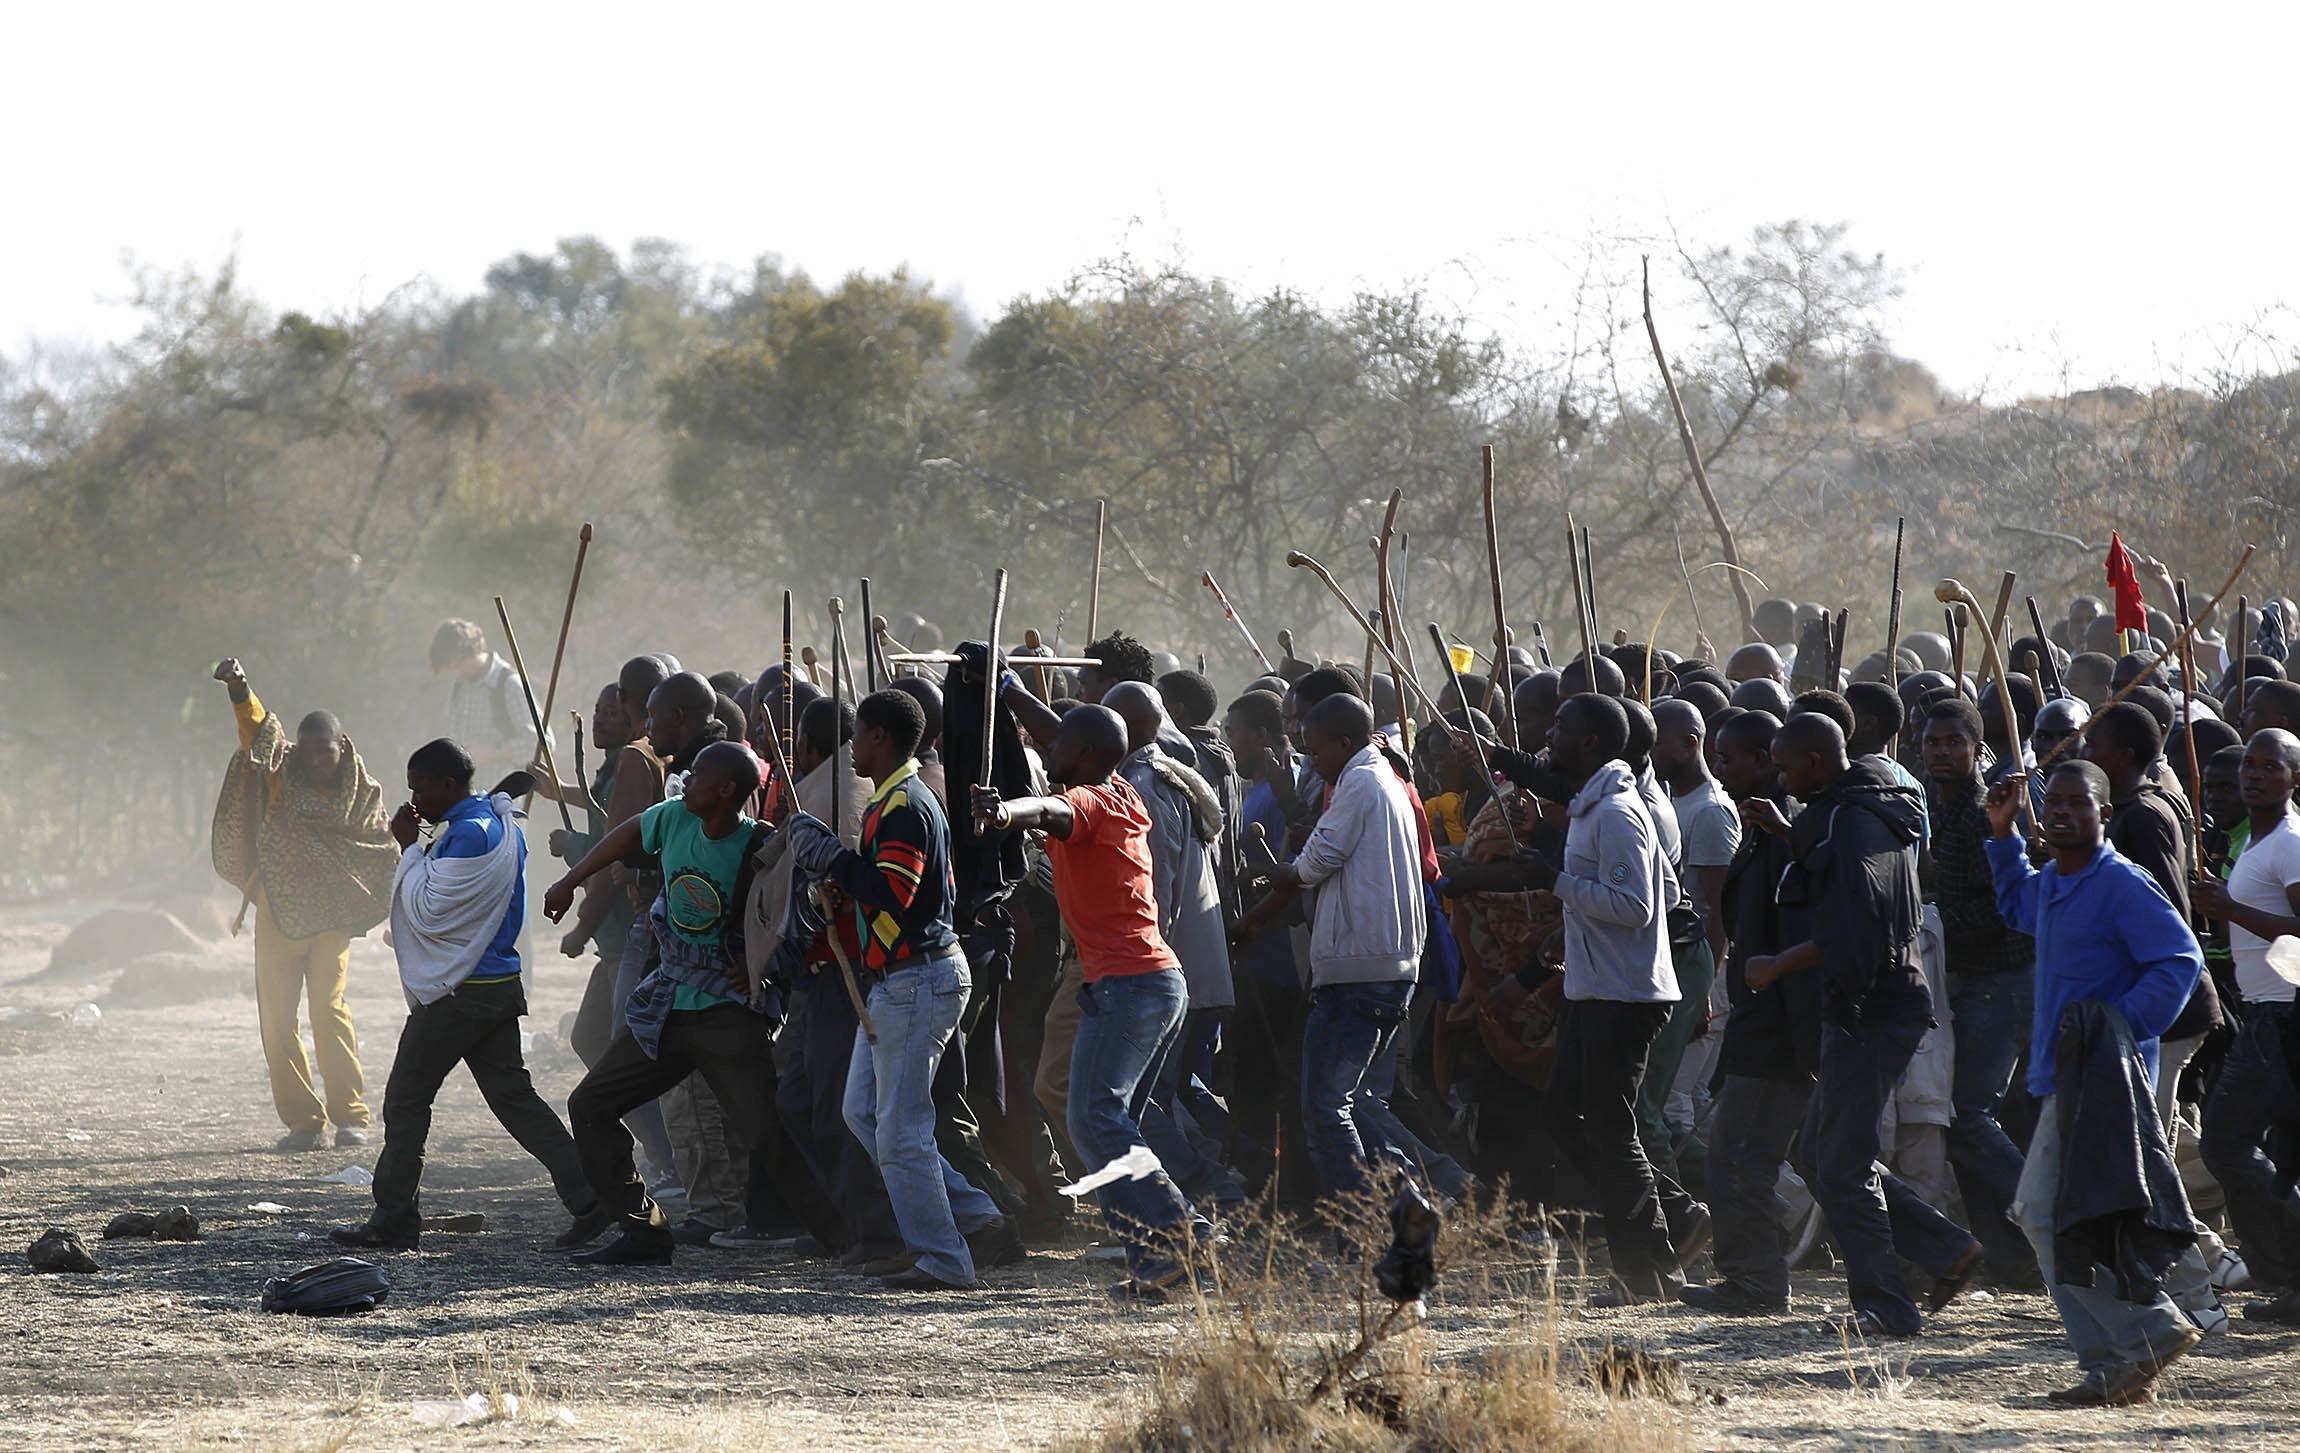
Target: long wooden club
1500,614
535,713
990,673
1952,592
1477,743
566,619
1297,560
2188,730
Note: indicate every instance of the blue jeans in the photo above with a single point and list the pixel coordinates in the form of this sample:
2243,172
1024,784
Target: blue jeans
1128,1024
1384,1133
1992,1017
1350,1029
890,1108
2102,1329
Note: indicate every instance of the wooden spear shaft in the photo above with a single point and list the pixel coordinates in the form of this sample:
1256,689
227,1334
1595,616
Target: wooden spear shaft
1700,472
2188,730
566,618
1094,587
1893,621
1500,614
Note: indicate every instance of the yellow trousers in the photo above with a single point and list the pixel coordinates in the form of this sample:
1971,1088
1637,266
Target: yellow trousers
289,970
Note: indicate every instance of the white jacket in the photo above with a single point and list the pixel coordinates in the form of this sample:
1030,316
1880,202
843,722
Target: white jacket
1364,858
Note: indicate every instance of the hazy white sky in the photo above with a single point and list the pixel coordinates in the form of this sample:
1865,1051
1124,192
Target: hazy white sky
2097,188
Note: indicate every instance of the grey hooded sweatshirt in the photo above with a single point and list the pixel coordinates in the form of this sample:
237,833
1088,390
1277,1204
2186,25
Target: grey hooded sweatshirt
1617,888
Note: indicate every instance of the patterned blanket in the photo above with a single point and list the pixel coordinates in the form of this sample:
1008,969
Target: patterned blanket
320,850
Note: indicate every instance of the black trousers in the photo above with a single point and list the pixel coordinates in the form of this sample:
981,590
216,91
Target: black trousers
1749,1136
1590,1110
477,1026
818,1043
1876,1218
1267,1142
595,1018
732,1049
2251,1128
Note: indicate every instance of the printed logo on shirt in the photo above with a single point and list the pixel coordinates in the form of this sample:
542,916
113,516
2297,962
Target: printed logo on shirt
1620,873
694,904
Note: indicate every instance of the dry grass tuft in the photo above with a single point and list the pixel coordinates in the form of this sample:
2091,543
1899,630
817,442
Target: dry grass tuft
1299,1350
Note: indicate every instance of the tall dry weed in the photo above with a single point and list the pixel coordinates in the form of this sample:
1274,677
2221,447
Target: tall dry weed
1297,1349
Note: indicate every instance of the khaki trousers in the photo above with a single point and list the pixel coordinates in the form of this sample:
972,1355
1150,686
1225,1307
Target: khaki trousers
289,970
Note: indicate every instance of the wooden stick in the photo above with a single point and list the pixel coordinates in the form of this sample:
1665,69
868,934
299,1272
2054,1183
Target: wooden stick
2188,731
1957,646
1034,643
1297,560
2045,665
838,819
2243,654
1397,640
951,658
1837,648
790,737
1693,458
1485,768
1500,615
567,618
1691,597
990,673
870,647
535,713
880,639
1230,613
582,778
1094,588
1950,592
1581,603
1893,622
1589,584
2003,610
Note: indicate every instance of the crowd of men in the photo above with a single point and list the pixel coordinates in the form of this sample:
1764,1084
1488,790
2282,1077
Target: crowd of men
1883,967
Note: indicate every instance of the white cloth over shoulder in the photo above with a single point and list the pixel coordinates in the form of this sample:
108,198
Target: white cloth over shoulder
446,911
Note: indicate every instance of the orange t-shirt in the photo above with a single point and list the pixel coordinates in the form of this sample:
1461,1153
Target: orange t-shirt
1102,882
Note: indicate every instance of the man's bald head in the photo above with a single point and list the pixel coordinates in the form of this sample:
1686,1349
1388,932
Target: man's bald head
1761,693
1142,709
687,691
1673,717
1809,733
1753,662
1343,718
1584,674
2283,743
1090,741
639,678
2272,704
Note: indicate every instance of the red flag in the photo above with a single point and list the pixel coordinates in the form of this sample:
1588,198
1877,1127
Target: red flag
2131,605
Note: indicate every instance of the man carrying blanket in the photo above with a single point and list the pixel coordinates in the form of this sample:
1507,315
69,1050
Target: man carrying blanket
456,908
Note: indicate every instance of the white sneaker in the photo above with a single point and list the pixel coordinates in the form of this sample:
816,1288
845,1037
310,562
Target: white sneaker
2210,1319
2231,1274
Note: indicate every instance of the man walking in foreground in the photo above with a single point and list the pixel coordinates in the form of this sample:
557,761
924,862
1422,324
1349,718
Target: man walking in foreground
456,910
2104,931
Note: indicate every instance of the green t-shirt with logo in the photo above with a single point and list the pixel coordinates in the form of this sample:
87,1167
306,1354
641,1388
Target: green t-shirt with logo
699,876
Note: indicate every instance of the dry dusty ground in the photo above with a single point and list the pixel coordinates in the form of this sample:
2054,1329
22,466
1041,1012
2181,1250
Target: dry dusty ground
166,1347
